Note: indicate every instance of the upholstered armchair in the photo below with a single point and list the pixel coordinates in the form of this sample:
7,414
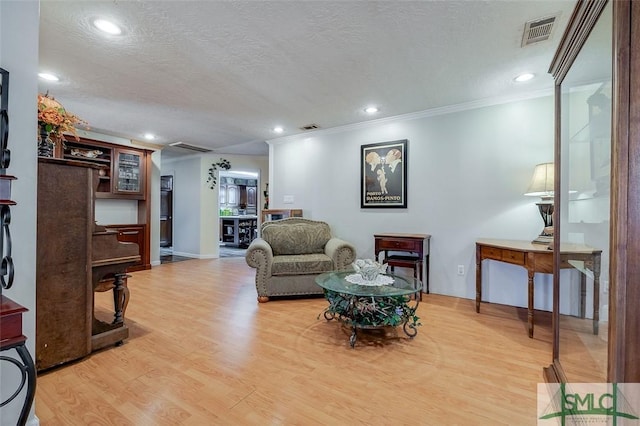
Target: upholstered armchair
291,252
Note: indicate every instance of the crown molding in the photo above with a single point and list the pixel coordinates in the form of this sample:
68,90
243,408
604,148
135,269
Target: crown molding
484,103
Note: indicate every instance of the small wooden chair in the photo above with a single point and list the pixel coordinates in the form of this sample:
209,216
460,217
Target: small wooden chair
412,262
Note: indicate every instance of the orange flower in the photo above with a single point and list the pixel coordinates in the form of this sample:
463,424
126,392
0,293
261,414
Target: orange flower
50,117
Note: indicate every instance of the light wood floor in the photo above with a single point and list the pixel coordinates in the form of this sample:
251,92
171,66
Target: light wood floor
202,351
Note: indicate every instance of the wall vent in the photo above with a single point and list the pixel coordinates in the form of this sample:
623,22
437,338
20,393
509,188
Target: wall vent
189,147
310,127
538,30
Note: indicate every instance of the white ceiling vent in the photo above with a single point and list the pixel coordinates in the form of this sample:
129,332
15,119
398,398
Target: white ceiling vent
189,147
310,127
538,30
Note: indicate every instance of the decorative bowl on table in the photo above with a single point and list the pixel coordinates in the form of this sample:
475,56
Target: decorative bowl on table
369,269
87,153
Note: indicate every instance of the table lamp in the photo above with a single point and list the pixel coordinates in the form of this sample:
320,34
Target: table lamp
542,186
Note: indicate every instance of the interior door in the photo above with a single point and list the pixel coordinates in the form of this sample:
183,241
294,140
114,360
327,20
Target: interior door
166,211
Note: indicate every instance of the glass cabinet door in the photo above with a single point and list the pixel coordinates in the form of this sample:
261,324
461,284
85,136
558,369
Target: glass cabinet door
584,214
129,172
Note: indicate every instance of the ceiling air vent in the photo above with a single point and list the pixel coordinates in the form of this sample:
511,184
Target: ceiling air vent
310,127
189,147
538,30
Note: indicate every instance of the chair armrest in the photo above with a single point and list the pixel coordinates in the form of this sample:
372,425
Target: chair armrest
342,253
259,255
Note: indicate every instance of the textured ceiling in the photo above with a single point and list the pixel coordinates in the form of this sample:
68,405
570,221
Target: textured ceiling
222,74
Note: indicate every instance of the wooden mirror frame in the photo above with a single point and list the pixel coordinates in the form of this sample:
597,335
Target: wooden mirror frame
623,360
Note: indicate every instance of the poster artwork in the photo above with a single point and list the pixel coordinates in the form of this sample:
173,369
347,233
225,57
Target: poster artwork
384,174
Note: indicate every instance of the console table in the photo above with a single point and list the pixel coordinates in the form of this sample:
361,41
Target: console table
418,244
538,258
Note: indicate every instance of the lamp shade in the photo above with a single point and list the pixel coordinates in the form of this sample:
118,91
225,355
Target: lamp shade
542,181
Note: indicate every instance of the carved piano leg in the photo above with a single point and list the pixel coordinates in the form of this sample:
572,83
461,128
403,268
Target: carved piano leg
125,298
120,297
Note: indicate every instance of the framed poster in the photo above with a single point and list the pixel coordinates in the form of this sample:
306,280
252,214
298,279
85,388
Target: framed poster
383,168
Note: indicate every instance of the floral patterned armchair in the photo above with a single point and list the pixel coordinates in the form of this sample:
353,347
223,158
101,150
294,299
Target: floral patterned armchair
291,252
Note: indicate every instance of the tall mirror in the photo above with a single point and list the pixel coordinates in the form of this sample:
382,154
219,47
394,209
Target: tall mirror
584,98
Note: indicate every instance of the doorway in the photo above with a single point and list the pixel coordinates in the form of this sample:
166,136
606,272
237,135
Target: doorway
166,211
238,201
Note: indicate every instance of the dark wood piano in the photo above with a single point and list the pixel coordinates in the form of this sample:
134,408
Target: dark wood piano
75,258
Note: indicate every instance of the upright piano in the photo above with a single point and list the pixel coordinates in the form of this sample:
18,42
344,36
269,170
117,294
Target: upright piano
75,258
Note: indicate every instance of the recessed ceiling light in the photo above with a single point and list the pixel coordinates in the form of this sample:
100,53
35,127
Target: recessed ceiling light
278,129
371,110
149,136
107,27
47,76
524,77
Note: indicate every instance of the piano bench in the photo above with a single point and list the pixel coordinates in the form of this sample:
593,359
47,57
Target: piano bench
412,262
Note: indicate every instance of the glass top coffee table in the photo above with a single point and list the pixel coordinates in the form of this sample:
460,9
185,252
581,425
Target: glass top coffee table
371,306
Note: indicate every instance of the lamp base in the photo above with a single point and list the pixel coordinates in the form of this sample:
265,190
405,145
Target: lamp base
546,236
543,239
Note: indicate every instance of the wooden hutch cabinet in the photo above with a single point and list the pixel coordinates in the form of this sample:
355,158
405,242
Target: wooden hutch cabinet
125,169
123,175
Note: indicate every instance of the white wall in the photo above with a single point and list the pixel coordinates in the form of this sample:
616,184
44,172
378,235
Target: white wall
19,56
113,211
196,230
187,187
467,172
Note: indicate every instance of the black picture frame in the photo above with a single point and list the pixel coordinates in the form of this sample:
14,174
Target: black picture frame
383,171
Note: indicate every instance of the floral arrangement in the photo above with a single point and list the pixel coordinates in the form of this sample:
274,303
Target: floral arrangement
371,312
54,119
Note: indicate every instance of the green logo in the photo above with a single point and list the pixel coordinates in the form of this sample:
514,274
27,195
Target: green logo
582,403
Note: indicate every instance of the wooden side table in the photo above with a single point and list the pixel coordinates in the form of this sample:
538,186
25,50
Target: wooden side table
538,258
418,245
11,337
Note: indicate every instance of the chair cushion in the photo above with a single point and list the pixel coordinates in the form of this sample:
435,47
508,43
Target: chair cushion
297,238
300,264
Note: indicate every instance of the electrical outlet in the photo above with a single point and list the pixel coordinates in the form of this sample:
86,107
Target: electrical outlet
460,269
